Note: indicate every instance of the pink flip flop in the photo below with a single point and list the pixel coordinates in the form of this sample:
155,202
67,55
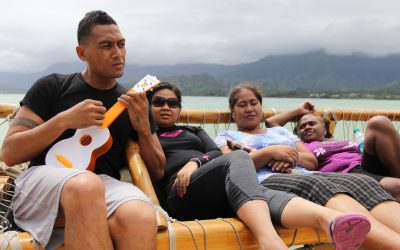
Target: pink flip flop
349,231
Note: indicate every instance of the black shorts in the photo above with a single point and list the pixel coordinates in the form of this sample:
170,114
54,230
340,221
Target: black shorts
360,170
372,164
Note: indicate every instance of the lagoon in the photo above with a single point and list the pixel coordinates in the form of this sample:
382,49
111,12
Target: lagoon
221,103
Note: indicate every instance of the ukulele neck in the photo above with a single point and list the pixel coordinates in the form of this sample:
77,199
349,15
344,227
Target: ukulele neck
112,114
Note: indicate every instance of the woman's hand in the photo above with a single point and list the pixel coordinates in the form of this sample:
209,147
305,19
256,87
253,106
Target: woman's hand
183,178
284,153
278,153
280,166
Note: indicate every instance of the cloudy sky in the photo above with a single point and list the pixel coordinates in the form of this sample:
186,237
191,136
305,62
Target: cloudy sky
36,34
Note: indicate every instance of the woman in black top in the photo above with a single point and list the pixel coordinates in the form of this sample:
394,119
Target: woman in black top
201,183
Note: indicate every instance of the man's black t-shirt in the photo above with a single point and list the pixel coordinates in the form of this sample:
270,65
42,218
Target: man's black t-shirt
55,93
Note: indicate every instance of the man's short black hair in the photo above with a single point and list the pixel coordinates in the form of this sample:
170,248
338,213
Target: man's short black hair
91,19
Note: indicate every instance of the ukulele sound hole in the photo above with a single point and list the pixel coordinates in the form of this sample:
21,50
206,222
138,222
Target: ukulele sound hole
86,140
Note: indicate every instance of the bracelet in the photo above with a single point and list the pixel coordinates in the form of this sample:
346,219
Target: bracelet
197,161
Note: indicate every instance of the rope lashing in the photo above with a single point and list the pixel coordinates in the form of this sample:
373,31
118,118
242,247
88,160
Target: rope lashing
204,233
235,230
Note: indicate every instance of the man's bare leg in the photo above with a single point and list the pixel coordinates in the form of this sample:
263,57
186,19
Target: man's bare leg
382,139
391,185
84,212
134,226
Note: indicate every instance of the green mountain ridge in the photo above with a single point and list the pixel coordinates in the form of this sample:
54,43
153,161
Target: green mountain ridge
310,74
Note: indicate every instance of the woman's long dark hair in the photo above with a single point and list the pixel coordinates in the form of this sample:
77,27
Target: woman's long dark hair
165,85
241,86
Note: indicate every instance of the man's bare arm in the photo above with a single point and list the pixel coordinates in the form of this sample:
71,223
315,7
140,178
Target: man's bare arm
27,136
24,141
282,118
151,150
25,122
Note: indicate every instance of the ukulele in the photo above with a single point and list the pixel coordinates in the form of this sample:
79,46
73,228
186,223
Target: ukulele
234,145
82,149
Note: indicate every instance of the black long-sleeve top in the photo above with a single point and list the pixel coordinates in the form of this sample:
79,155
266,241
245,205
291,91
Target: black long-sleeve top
180,145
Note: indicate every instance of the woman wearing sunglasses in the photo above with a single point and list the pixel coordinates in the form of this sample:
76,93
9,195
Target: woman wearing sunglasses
276,152
201,183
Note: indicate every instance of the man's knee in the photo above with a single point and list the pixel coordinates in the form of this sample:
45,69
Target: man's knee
391,185
82,187
379,123
134,215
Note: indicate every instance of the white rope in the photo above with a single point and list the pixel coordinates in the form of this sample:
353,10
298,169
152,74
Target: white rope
11,116
172,237
294,238
171,231
204,233
216,124
328,111
5,223
235,230
13,171
190,231
204,119
9,240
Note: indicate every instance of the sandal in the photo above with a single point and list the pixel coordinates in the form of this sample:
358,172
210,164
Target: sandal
349,231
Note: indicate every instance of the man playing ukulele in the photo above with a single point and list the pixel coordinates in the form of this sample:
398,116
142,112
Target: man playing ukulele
87,210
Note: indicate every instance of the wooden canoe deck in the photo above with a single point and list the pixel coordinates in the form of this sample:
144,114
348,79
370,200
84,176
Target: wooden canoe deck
221,233
229,233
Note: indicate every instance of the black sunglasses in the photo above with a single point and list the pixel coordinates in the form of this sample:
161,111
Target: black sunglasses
159,101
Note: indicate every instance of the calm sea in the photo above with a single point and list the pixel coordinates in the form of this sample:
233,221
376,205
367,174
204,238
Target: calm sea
203,102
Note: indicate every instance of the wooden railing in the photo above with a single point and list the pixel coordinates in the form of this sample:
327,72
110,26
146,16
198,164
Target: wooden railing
217,233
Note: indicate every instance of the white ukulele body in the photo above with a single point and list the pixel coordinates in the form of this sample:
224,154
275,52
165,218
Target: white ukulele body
81,150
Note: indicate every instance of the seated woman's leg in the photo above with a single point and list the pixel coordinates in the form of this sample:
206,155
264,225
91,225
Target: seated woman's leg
256,215
388,213
223,186
392,185
380,235
347,231
363,194
327,186
365,190
382,140
285,206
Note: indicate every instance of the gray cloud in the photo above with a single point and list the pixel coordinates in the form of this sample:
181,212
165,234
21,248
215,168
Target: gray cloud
36,34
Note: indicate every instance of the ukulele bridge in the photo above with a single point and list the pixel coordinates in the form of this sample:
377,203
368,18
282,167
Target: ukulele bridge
64,161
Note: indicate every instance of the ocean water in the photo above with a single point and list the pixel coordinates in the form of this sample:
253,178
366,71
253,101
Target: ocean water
221,103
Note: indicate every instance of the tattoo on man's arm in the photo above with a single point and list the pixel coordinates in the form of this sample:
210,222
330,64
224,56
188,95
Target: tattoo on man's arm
138,119
25,122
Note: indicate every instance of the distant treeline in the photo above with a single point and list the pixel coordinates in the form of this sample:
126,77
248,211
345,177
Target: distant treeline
314,74
206,85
